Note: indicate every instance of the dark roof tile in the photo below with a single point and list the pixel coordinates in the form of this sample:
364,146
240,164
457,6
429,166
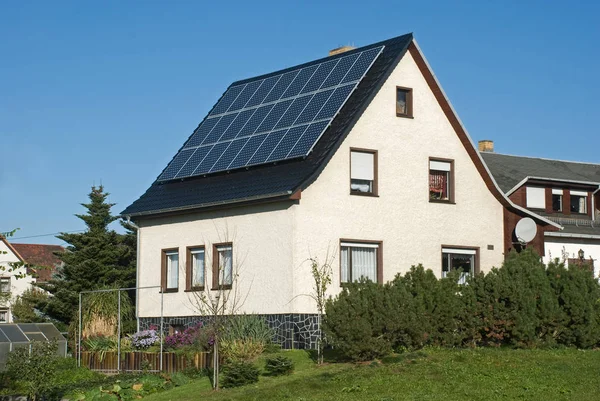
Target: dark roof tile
272,180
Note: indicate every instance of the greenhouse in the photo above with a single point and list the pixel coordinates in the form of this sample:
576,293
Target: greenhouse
13,336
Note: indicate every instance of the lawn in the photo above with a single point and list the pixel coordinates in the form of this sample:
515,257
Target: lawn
432,374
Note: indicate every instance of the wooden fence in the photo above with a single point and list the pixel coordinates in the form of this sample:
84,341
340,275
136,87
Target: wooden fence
139,361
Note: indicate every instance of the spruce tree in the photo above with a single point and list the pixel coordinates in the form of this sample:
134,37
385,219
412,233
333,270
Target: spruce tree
97,258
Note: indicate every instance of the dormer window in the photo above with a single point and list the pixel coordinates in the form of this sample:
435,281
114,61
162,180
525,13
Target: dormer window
363,172
404,103
557,200
579,202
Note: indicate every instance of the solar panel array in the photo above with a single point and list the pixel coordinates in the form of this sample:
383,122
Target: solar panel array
271,119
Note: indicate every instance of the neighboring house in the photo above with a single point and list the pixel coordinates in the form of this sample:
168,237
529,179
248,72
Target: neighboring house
34,263
41,259
567,193
358,156
10,285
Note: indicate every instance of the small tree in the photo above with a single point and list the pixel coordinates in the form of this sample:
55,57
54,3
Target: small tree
99,257
222,301
35,369
25,308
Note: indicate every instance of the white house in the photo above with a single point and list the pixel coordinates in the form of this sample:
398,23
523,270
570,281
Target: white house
357,157
11,283
567,193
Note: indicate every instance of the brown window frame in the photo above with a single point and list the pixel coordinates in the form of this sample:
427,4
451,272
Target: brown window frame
476,268
189,268
215,267
375,154
6,311
379,243
163,270
8,281
451,184
409,102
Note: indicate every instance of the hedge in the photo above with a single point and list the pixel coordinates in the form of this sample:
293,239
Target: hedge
521,304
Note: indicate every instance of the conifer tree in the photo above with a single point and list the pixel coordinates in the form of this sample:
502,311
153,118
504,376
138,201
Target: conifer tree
97,258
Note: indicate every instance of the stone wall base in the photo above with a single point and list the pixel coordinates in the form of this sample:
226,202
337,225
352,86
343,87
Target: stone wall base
292,330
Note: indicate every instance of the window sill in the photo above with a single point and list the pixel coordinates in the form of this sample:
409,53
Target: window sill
221,287
194,289
405,116
170,290
371,194
447,201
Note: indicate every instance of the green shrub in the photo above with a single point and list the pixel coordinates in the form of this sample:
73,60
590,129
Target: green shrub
522,304
35,370
244,337
278,365
239,373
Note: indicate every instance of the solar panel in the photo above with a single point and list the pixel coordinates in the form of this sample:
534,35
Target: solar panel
271,119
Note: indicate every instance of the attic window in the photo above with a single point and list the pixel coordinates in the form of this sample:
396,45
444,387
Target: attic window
404,102
579,202
363,172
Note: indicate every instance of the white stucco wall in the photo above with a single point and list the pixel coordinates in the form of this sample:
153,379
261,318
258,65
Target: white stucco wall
18,285
412,229
569,247
262,238
277,239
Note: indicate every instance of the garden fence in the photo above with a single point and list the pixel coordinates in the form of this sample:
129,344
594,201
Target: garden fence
113,362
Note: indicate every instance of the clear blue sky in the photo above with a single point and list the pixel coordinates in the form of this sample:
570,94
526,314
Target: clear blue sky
107,92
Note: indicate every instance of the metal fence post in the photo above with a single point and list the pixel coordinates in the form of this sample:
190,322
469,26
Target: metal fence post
119,332
79,335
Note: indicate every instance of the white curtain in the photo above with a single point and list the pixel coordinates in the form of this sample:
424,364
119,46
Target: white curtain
344,259
198,268
225,266
582,205
364,263
172,270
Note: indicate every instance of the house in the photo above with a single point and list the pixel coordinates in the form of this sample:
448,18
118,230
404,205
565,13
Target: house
21,266
42,261
357,158
567,193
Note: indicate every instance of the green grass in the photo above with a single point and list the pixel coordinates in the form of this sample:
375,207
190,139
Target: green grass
433,374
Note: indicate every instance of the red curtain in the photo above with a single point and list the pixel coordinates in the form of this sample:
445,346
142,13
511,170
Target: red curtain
438,184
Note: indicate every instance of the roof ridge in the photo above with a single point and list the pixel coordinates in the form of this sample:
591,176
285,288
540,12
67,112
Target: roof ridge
541,158
319,60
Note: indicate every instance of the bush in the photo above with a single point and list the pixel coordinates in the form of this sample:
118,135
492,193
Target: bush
144,339
279,365
239,373
35,370
522,304
244,337
184,338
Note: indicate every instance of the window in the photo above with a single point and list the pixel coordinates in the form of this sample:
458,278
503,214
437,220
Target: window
176,329
557,200
441,179
363,172
360,259
170,270
578,202
195,268
404,102
3,315
464,260
4,284
536,197
222,266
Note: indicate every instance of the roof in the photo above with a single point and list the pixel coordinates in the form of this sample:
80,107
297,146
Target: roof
40,255
508,171
577,228
273,181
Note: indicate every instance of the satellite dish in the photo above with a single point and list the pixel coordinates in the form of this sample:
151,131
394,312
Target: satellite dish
526,230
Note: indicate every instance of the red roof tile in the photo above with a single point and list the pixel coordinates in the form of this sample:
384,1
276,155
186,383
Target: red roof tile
40,255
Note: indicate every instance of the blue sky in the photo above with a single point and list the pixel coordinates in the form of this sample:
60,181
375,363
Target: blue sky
107,92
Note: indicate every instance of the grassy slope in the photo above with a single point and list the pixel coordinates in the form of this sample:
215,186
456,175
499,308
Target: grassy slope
483,374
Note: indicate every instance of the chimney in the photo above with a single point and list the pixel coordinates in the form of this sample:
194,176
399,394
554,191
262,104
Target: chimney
486,146
339,50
